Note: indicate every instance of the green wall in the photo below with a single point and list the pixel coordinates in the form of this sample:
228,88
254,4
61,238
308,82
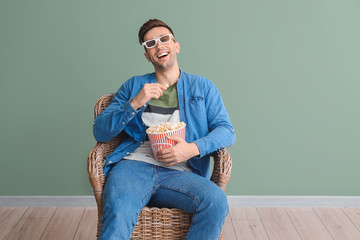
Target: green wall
288,72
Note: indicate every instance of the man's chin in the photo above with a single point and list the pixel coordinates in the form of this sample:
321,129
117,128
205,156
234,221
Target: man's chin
162,66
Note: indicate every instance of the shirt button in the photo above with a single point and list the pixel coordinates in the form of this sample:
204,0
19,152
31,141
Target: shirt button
133,113
110,161
127,153
123,122
142,142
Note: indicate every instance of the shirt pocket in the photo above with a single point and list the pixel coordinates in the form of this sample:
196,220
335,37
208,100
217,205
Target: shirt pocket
196,99
197,104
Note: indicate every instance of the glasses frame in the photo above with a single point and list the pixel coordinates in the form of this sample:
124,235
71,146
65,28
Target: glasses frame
158,40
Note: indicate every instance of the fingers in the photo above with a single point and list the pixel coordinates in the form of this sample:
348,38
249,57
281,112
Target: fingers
166,158
164,154
148,92
156,93
156,85
170,164
159,89
154,90
163,87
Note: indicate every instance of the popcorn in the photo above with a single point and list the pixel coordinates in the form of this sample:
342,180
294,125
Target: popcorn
165,127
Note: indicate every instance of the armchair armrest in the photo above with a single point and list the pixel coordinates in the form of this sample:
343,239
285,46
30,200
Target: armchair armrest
96,176
222,168
95,165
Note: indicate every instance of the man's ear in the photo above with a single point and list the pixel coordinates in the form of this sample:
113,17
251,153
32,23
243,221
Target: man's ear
177,47
147,56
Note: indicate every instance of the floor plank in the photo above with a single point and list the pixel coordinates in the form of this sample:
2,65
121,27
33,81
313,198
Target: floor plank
88,225
277,224
9,217
64,223
338,224
247,224
244,213
228,229
31,226
354,216
308,224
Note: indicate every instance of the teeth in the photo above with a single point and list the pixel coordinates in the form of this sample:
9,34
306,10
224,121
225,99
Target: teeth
163,54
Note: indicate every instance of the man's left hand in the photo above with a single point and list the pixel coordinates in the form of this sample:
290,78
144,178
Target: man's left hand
180,152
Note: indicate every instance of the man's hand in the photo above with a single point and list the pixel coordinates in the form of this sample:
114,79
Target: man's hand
149,91
181,152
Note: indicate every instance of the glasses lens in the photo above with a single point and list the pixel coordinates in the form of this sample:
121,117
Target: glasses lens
165,39
150,44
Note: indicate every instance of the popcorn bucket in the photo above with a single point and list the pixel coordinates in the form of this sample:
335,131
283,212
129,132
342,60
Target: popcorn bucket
159,141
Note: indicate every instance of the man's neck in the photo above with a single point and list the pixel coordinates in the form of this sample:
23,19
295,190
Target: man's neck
169,76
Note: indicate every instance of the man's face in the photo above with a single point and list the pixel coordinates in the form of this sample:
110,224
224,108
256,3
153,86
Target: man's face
163,55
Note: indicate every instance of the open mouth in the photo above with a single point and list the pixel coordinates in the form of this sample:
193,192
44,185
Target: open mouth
163,55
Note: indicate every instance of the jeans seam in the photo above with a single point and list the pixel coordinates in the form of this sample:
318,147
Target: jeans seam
155,181
145,198
152,191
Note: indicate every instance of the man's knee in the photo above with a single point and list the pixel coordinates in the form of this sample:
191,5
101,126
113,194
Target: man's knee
221,203
216,201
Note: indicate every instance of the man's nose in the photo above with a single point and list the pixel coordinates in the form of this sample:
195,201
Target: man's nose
159,44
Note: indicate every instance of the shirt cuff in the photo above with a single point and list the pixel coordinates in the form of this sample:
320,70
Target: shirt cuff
130,112
202,147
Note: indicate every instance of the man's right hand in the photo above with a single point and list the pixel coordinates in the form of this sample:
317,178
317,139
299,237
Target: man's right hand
149,91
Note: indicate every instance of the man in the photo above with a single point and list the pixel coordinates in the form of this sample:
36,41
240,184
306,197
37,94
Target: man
180,176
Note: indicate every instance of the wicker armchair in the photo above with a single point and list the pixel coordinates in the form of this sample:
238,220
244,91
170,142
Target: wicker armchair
153,223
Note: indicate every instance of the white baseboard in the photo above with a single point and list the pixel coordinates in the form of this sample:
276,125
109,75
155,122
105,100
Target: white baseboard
234,201
294,201
47,201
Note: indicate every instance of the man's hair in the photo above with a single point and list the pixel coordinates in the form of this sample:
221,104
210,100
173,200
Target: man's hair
152,23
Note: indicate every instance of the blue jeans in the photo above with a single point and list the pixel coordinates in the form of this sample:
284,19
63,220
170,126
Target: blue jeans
131,185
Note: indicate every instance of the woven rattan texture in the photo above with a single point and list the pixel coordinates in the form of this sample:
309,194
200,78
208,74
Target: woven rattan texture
153,223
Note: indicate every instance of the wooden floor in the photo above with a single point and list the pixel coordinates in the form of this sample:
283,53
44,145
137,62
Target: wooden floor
242,223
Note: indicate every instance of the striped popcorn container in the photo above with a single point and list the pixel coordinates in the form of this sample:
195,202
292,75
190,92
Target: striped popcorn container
159,141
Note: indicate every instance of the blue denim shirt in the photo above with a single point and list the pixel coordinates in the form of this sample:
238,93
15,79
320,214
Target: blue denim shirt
201,108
